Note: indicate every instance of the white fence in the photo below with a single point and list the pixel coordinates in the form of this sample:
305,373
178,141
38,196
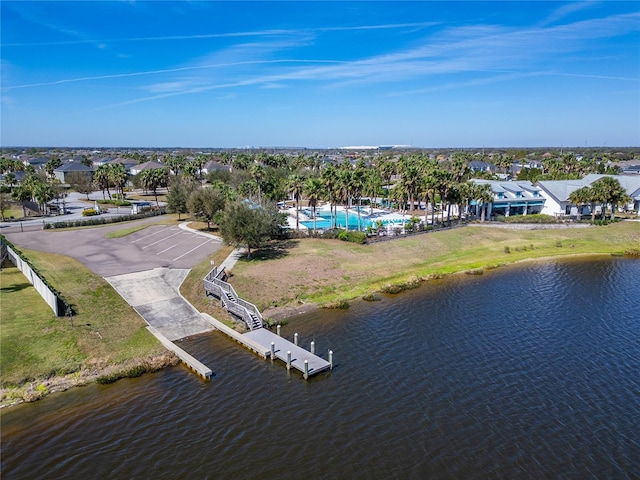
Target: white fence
44,291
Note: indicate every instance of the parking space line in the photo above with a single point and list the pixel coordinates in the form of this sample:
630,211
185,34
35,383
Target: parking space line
162,240
186,253
174,245
147,236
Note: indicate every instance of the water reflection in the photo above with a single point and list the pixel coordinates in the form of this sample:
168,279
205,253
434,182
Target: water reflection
527,372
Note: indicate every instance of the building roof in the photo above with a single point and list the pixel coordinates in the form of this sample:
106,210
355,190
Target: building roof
37,161
74,167
147,166
504,186
560,190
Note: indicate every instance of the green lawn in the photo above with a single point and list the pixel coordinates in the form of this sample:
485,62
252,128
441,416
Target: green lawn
34,344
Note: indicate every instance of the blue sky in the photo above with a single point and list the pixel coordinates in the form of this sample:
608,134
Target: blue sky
315,74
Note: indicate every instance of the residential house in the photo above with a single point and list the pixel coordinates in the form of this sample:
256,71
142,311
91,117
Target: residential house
129,163
37,163
145,166
62,173
213,166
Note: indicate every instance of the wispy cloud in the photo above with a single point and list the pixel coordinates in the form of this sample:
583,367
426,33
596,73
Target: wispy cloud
507,53
250,33
567,10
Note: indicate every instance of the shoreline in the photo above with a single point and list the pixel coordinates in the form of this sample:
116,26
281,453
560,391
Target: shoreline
37,389
286,312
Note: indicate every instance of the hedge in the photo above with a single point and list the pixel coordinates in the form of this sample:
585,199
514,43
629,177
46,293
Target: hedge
103,220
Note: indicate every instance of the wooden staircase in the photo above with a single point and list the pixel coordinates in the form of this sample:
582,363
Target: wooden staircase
215,285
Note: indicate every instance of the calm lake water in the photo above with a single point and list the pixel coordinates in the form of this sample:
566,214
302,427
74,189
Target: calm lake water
524,372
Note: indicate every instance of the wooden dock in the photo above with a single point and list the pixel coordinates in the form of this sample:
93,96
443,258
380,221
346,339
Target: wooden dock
264,337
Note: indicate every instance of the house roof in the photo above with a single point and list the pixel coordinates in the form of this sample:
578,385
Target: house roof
38,161
147,166
74,167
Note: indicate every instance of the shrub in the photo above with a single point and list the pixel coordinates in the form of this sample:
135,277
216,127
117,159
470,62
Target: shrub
89,212
475,271
531,218
341,304
507,249
103,220
331,233
370,297
393,288
354,237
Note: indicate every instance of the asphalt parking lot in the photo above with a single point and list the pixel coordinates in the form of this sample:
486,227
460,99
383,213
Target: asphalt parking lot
153,247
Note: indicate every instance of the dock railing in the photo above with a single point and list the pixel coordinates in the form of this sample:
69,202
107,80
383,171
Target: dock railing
248,312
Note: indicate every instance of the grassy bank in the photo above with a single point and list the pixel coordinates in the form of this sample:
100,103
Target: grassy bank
326,271
35,345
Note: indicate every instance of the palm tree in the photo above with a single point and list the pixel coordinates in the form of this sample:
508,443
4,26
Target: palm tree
154,178
190,170
345,173
296,186
42,193
329,180
483,195
22,193
10,179
118,175
102,178
427,186
580,197
313,191
609,191
51,165
257,173
358,179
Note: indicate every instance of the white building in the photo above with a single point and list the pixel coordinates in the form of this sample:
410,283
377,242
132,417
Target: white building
557,192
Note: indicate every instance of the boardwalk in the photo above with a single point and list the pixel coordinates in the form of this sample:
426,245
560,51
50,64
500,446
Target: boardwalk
264,337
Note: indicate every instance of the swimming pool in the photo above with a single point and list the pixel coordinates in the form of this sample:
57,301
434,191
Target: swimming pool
323,219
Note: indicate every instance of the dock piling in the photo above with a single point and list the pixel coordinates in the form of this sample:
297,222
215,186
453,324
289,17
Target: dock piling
306,369
273,351
313,347
331,359
295,339
288,359
279,330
